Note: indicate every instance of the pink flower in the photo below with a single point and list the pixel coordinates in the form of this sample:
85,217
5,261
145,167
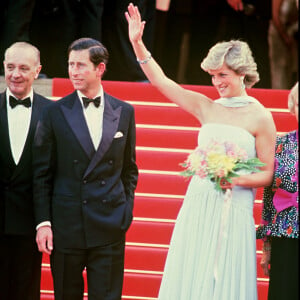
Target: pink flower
242,154
232,154
217,161
201,173
220,173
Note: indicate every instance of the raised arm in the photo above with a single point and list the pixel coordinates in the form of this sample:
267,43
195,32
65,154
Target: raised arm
193,102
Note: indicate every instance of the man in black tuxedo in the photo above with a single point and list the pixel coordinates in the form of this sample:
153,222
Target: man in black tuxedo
85,178
20,108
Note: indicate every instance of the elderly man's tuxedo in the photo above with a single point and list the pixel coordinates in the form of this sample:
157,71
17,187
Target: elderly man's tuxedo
20,260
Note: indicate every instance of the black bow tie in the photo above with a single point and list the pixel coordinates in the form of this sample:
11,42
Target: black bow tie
13,102
87,101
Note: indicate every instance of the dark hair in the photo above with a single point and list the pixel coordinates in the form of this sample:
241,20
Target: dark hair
98,53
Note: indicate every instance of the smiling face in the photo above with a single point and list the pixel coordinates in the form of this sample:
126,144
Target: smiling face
85,76
227,82
21,67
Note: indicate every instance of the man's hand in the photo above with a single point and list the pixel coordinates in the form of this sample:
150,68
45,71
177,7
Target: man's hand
44,239
265,262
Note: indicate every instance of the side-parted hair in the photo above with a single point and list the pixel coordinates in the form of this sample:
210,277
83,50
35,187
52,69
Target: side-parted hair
293,98
97,52
237,56
25,46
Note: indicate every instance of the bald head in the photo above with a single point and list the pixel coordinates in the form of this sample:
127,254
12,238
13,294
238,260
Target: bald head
25,47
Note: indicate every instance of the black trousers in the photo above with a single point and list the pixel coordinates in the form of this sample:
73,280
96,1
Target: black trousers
104,269
284,271
20,268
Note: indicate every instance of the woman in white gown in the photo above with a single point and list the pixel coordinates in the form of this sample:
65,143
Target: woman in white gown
212,252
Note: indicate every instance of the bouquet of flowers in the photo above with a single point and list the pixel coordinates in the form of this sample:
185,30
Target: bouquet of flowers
219,161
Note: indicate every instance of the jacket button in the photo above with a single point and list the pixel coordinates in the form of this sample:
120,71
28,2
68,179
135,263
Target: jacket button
84,181
75,161
103,182
110,162
84,201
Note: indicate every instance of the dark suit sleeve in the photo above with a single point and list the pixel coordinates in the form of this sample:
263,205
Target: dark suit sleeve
129,174
43,163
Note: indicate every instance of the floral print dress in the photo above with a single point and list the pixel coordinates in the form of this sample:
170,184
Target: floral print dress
280,217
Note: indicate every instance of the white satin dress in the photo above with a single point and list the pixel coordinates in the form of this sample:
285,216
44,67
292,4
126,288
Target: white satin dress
212,254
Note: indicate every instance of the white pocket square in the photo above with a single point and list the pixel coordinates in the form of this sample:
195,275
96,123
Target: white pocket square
118,135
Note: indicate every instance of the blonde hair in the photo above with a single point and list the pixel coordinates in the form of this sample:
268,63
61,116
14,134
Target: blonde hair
293,98
237,56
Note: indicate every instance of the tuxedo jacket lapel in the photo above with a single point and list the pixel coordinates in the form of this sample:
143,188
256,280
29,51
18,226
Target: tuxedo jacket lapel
111,119
73,113
4,134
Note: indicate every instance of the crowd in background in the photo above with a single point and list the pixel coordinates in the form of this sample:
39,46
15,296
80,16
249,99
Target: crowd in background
178,37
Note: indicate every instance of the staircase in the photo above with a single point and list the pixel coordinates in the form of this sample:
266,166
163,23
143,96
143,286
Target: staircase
165,136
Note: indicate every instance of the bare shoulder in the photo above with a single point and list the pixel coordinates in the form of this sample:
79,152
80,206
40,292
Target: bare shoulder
261,112
262,118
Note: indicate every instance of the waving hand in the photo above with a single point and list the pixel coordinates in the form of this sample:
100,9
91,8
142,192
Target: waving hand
135,24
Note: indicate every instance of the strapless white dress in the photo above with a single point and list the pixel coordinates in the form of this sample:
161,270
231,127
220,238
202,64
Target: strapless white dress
212,254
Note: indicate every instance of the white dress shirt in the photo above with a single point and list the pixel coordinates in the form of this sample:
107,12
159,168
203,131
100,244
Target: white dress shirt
94,118
18,125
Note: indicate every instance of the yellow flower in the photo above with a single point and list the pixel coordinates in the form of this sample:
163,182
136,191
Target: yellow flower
220,163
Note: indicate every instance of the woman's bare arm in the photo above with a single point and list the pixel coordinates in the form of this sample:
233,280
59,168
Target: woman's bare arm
265,149
193,102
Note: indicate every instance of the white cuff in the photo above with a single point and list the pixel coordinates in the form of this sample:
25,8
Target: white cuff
45,223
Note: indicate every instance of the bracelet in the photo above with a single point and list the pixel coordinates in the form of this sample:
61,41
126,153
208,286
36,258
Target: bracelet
144,61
